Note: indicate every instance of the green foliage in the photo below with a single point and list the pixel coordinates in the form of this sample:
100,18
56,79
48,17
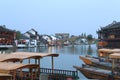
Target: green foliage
83,35
18,35
89,38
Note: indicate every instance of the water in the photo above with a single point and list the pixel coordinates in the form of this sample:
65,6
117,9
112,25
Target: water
68,56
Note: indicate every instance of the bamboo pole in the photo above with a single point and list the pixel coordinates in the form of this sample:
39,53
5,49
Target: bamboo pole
52,64
36,69
14,75
113,64
11,78
35,61
29,61
31,73
21,73
39,67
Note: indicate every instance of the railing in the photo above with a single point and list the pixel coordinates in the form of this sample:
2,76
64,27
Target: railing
60,73
49,74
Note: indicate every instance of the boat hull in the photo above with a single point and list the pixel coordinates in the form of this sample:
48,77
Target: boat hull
96,62
92,74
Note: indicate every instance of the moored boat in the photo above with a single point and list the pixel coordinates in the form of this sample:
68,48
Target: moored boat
101,74
36,71
97,62
97,73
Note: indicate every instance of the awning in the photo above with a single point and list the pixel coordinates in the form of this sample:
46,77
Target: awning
5,75
19,56
114,55
14,66
104,50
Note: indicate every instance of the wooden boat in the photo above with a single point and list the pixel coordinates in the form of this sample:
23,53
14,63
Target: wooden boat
20,57
97,62
97,73
35,70
102,74
5,76
13,69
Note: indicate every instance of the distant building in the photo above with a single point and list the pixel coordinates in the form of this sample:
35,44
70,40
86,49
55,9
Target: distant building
109,36
31,38
23,41
62,35
50,39
32,34
7,37
62,38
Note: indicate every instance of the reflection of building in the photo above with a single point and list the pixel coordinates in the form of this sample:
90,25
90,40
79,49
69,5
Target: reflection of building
109,36
7,37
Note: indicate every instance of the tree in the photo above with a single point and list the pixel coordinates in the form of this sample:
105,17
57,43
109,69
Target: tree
18,35
84,35
89,39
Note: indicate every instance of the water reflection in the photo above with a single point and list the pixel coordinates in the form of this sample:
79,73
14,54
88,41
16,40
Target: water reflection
77,49
52,49
89,51
4,51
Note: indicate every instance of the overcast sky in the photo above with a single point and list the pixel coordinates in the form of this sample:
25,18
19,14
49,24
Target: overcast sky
59,16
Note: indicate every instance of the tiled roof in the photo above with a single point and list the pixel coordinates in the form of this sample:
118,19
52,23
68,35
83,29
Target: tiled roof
2,28
112,25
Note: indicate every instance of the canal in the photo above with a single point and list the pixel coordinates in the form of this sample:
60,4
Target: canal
68,56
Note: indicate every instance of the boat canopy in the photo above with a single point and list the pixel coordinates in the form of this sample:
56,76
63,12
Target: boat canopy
104,50
114,55
6,60
5,75
5,66
19,56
